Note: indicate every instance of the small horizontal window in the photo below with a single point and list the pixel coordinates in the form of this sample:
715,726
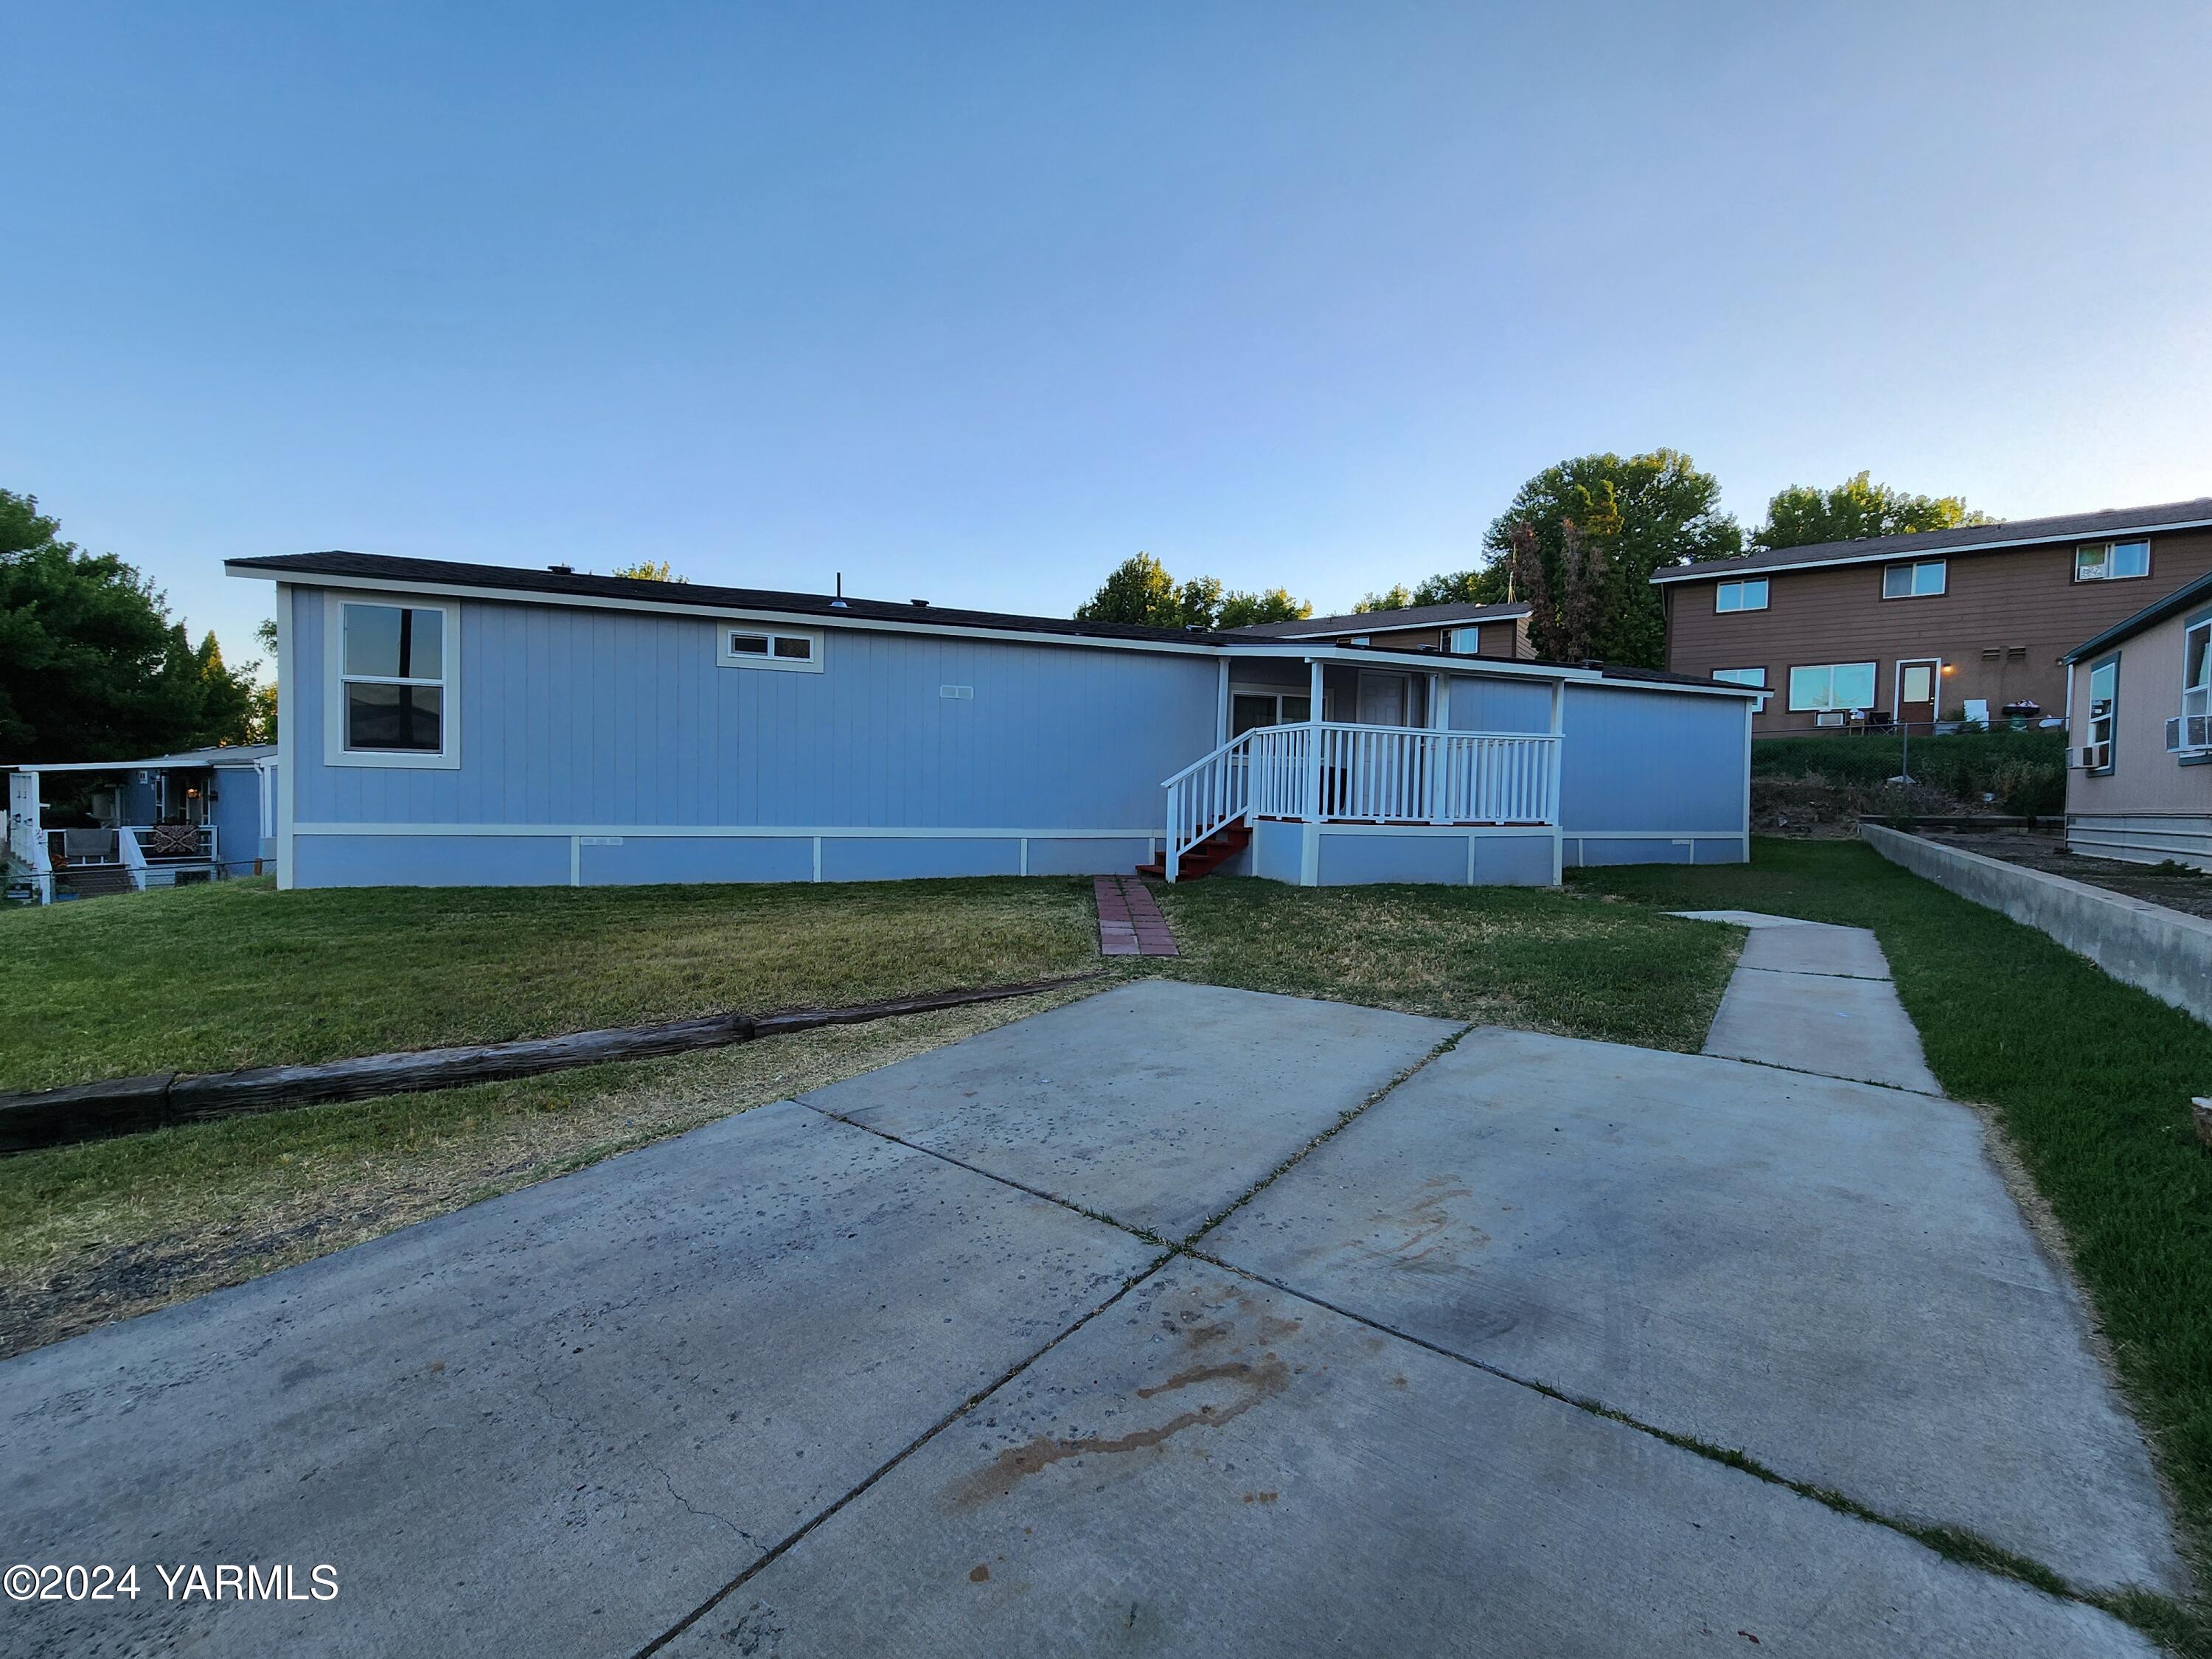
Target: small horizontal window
755,646
1741,676
1913,581
1748,594
2105,562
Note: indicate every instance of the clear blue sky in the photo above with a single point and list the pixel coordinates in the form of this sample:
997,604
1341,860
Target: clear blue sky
973,302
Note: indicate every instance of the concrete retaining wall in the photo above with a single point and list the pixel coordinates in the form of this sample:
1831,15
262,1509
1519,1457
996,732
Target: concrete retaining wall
2163,951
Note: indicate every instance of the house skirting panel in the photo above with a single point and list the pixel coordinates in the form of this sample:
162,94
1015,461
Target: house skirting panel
2142,837
1688,847
429,861
502,855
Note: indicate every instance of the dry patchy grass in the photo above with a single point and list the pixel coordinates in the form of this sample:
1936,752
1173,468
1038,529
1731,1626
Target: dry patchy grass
101,1232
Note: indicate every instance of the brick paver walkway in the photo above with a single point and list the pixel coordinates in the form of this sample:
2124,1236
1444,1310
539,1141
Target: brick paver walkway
1129,920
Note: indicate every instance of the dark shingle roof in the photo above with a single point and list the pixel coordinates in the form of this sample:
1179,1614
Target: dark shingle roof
2157,611
1990,537
1377,622
377,566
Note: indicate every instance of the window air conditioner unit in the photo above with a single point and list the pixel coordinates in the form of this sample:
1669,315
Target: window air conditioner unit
2173,734
1833,717
2089,757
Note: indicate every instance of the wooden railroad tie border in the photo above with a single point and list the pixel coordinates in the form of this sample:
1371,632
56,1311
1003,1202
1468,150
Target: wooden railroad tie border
93,1111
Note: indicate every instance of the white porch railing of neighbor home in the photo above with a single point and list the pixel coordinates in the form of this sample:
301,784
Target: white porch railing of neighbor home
1329,772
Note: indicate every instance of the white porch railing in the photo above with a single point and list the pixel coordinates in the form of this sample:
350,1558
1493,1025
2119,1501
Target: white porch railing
1329,772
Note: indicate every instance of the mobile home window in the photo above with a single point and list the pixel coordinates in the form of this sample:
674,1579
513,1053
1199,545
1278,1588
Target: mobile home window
1748,594
1467,641
1826,686
2105,562
392,678
2104,706
753,645
2197,685
1741,676
1249,710
1913,581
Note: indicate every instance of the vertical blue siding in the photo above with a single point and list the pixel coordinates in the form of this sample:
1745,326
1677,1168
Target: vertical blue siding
237,816
574,716
1660,761
1478,703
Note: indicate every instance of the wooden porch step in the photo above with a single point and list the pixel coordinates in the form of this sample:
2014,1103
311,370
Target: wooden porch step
1203,860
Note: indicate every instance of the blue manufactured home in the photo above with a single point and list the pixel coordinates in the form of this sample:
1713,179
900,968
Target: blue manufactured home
466,724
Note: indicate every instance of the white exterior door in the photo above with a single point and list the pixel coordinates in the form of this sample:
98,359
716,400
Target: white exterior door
1384,698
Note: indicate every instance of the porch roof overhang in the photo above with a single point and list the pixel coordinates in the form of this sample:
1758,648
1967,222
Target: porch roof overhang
193,760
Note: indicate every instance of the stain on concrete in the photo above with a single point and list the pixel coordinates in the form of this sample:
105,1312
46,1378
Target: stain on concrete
1249,1381
1425,1237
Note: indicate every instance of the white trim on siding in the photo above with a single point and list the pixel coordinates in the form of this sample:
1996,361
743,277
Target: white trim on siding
288,732
676,831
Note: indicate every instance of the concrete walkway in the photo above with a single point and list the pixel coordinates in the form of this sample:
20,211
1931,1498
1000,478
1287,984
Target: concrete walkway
910,1367
1814,997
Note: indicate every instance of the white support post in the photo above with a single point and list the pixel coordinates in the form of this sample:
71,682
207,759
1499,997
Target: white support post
1221,709
1316,696
288,732
1748,705
1558,763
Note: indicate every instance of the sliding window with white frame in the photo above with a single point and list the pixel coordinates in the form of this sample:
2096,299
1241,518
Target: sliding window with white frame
2194,736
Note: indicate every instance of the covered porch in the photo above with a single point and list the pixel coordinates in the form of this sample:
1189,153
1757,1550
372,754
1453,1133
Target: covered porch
1331,771
124,826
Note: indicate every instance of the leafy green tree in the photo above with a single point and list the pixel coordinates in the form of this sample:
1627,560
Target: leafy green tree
262,718
1801,515
645,570
1632,516
1489,586
1140,590
1390,598
91,666
1271,605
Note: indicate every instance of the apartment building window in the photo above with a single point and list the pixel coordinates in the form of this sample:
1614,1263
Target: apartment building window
1741,676
1913,581
2111,562
1821,688
1748,594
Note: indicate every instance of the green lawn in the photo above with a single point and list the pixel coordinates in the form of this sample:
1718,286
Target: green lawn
2090,1079
1503,956
203,979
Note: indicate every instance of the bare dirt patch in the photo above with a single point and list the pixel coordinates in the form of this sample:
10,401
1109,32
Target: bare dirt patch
2175,886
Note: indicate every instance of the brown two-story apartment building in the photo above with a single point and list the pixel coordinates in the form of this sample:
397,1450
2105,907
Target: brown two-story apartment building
1466,630
1947,625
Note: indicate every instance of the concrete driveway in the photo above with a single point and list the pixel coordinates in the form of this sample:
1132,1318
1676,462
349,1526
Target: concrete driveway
1069,1338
